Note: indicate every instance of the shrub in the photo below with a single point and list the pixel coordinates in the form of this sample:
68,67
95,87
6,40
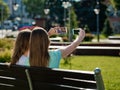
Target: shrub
6,43
88,37
107,30
5,56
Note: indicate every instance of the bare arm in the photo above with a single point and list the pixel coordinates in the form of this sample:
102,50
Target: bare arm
70,48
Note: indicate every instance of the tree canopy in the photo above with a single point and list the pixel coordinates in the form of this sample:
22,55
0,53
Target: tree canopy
4,11
116,4
34,7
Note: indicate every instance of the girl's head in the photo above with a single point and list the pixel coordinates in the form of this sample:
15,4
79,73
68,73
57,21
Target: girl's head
39,44
21,45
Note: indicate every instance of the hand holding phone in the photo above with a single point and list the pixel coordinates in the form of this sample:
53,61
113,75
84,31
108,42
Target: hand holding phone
62,30
76,31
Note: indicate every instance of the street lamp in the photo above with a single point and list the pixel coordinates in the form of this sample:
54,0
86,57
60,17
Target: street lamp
15,8
2,18
66,5
97,11
46,11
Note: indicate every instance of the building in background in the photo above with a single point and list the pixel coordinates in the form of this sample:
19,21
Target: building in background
18,15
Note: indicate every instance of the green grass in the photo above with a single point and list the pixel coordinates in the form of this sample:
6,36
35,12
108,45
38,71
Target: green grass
109,65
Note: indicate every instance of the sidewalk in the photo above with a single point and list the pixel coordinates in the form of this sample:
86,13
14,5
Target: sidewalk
106,41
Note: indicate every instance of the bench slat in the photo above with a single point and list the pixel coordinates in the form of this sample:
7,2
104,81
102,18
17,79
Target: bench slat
56,74
12,88
14,82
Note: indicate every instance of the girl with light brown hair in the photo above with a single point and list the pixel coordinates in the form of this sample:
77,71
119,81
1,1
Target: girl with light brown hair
40,55
21,48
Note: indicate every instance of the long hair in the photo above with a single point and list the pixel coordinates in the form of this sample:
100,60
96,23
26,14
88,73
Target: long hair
39,44
21,45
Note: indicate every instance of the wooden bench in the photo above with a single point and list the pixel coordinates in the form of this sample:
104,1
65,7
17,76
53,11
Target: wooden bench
38,78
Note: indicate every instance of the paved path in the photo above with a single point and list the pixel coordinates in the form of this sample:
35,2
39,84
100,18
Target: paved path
107,41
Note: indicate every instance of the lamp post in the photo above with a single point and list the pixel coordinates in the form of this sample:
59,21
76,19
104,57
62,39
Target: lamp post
46,11
97,11
2,18
15,8
66,5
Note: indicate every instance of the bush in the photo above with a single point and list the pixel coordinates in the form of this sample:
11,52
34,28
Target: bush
6,43
5,56
88,37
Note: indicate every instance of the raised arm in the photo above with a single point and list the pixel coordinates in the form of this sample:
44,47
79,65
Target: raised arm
70,48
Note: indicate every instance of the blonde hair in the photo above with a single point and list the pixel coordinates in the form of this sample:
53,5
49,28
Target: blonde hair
39,44
21,45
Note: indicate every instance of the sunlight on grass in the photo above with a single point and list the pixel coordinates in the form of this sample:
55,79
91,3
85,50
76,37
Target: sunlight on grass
109,65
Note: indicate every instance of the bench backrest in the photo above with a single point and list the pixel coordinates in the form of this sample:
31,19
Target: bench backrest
39,78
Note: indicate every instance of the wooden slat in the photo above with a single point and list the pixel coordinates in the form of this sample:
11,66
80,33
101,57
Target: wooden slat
54,74
50,86
15,82
12,88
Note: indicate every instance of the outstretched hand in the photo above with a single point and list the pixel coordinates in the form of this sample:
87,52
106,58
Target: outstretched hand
53,31
81,34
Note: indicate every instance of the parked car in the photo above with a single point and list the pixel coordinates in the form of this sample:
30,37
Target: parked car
8,24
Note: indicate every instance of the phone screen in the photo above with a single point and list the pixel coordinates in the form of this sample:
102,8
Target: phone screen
76,31
62,30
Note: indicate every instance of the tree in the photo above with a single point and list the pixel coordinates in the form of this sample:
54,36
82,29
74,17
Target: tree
86,15
4,11
34,7
72,22
107,30
116,4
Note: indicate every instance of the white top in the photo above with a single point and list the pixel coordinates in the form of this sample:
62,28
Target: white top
23,60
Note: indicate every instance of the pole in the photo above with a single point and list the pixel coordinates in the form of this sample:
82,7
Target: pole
98,11
2,19
21,15
98,27
64,17
70,37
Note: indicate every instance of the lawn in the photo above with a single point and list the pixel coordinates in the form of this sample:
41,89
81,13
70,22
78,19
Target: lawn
109,65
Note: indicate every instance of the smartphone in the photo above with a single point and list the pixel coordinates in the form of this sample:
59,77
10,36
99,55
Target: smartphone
62,30
75,31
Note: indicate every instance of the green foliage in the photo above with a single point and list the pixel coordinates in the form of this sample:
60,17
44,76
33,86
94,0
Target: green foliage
67,61
34,7
5,56
5,9
72,23
109,66
115,4
6,43
73,18
86,28
107,30
88,35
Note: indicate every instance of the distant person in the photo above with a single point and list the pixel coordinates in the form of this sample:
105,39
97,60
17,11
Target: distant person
40,55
